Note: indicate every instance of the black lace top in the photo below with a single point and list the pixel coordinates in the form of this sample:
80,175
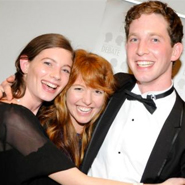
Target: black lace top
27,156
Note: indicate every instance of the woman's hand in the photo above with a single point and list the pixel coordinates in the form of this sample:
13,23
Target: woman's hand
174,181
5,88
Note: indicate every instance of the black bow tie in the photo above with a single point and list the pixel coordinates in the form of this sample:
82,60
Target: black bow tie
148,102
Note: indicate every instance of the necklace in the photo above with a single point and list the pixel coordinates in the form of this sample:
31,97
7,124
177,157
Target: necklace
18,100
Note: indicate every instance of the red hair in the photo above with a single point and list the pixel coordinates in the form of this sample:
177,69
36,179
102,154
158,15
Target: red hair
96,73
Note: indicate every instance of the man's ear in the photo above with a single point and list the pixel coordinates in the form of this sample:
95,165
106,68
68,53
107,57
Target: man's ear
177,51
24,63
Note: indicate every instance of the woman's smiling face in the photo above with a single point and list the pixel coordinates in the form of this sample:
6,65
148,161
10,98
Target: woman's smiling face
48,73
83,103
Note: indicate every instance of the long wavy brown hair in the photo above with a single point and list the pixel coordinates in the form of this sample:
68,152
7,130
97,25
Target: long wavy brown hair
96,73
31,50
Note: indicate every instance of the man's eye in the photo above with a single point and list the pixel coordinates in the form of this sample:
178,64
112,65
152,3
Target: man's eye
155,40
133,40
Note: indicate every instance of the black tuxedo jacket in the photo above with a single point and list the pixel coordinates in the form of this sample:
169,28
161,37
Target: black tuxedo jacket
167,158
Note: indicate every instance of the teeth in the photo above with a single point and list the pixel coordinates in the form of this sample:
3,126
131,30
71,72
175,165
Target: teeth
50,85
84,109
144,64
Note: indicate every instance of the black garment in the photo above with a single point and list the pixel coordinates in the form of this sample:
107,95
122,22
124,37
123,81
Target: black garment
167,158
27,156
148,102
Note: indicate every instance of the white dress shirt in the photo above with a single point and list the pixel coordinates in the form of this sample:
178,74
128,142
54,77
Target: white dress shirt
130,139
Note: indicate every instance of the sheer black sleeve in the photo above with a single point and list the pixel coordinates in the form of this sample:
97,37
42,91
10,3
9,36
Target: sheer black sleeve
25,150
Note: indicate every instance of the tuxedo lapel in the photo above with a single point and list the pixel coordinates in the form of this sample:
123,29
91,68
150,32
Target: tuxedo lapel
104,123
164,143
101,130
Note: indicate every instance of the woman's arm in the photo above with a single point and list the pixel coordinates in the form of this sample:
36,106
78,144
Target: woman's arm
73,176
5,88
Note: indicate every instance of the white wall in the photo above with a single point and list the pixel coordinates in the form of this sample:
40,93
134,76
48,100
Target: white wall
22,20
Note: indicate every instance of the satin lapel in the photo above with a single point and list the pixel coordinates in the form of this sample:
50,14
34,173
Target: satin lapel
101,130
102,127
159,155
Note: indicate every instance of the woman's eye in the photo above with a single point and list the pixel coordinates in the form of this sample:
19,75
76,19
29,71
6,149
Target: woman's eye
77,88
66,71
99,92
47,63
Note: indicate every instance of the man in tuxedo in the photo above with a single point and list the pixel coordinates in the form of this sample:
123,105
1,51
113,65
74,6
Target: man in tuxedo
141,134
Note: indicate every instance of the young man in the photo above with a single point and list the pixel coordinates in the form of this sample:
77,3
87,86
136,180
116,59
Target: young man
131,143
